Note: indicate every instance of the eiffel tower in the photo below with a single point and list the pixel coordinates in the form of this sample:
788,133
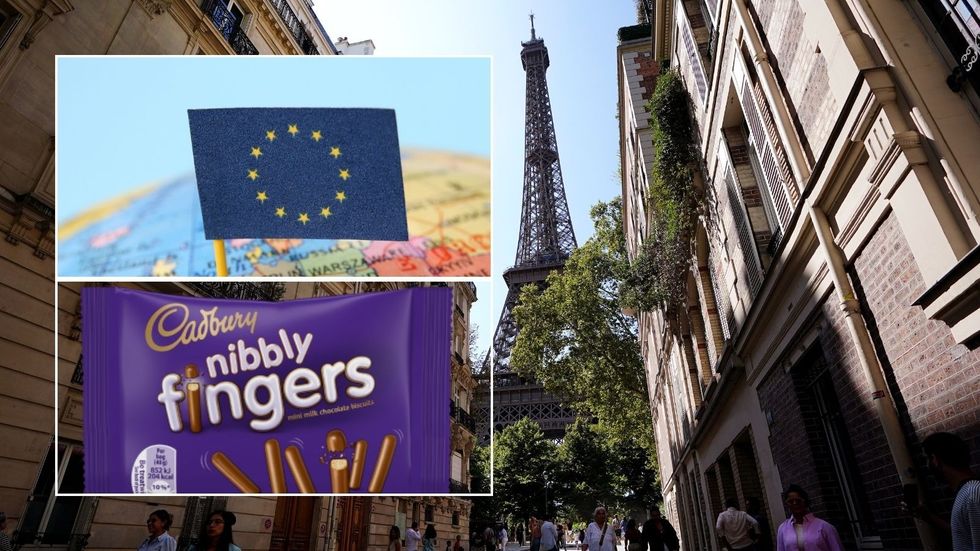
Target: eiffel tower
546,240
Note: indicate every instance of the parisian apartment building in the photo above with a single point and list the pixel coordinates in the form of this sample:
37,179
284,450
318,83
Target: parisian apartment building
829,320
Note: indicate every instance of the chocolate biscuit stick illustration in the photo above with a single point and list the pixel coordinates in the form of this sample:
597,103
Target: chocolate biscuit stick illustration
383,465
339,477
295,461
234,475
193,398
357,470
273,460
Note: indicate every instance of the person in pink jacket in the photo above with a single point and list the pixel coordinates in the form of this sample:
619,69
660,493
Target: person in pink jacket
803,531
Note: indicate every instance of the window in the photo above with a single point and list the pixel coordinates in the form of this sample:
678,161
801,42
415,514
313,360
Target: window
842,456
429,513
957,22
9,17
48,519
457,466
455,518
830,445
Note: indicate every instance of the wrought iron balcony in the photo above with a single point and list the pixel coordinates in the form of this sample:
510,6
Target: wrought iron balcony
457,414
78,376
271,292
457,487
777,236
229,27
466,420
295,26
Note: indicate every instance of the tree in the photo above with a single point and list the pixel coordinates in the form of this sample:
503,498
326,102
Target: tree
587,474
575,339
640,482
523,460
599,468
486,510
473,344
480,470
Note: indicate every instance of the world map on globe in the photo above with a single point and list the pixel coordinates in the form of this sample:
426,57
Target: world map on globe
158,231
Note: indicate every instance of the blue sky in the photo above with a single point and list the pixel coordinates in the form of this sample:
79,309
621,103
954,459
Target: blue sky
581,41
122,122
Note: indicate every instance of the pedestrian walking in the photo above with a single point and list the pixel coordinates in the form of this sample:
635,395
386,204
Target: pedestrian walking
394,539
561,534
458,546
633,539
549,535
535,534
736,529
429,538
4,538
217,534
658,534
617,527
158,539
489,539
600,536
949,461
754,508
503,537
412,537
803,531
520,534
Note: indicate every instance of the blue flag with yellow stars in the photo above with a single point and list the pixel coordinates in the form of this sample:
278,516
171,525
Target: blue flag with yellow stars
310,173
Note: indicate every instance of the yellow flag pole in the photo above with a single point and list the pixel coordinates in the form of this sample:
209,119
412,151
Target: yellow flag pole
220,259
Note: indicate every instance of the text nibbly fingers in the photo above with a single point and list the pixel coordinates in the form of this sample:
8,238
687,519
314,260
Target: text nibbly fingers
198,395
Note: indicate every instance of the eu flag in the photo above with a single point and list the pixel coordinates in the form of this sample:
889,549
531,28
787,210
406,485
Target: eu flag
299,173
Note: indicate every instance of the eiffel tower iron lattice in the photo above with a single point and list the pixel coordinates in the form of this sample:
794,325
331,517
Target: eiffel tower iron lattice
545,242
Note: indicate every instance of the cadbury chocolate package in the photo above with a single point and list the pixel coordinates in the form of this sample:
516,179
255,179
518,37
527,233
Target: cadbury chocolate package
327,395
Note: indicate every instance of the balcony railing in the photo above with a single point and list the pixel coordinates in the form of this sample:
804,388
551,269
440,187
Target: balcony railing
270,292
295,26
457,487
464,418
78,376
229,27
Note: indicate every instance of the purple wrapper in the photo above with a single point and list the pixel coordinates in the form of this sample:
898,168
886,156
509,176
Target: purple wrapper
373,366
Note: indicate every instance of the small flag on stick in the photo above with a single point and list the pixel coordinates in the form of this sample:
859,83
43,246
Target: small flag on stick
309,173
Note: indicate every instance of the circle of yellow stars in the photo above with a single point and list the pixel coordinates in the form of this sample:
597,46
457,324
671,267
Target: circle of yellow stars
263,195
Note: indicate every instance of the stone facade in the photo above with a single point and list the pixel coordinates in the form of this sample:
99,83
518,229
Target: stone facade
829,326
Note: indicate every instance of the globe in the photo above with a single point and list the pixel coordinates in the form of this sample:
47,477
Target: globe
157,230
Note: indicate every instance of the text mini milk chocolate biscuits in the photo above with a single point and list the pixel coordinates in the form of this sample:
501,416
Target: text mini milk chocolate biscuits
325,395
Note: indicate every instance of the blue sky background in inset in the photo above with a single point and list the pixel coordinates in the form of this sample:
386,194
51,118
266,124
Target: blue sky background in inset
122,122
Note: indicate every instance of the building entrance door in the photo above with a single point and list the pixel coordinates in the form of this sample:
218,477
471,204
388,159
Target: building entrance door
352,530
292,529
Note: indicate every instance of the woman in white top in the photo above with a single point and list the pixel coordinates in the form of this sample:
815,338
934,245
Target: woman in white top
157,525
599,536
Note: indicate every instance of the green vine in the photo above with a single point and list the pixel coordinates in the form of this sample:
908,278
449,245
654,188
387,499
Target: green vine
658,274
